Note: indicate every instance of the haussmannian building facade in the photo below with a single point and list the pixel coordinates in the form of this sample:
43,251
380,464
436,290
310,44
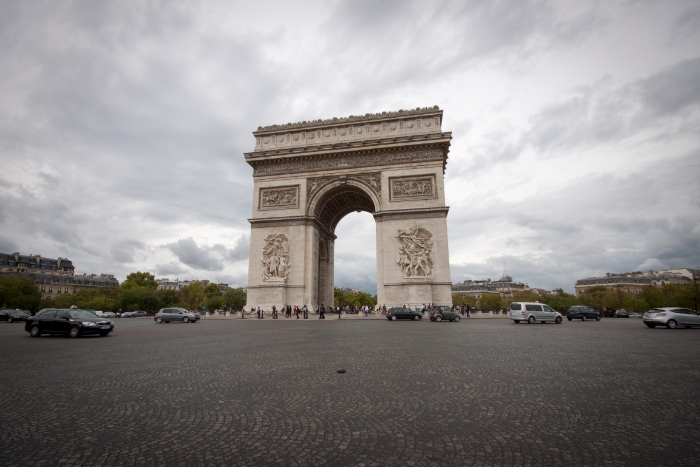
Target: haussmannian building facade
632,282
53,277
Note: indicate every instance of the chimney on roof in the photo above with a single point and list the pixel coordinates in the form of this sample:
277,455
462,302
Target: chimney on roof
16,255
607,274
38,259
59,262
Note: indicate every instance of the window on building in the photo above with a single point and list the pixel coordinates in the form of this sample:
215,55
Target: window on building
50,289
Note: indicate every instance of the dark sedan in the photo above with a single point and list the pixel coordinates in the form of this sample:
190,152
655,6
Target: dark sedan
582,312
72,322
440,313
402,313
622,314
13,315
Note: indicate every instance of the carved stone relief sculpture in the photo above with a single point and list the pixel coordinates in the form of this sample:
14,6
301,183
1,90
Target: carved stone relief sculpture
276,266
271,198
413,188
415,252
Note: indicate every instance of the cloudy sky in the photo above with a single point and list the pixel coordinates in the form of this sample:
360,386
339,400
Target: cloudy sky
576,128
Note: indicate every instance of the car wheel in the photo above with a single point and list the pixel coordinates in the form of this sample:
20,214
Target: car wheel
531,320
159,320
650,325
516,321
9,320
583,318
185,319
34,331
456,320
393,318
569,319
416,318
74,331
558,320
438,318
104,334
672,324
597,318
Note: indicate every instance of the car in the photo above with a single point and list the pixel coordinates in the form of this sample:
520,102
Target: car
13,315
440,313
127,314
402,313
138,314
74,322
672,317
582,312
533,312
166,315
108,314
622,313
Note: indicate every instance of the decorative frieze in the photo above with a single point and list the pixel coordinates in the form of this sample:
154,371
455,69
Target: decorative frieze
415,252
275,258
279,197
349,162
372,180
409,188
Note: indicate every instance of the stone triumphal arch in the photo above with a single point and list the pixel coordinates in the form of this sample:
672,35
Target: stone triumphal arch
309,175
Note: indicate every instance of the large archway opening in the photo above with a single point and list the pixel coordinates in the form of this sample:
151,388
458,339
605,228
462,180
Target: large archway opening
330,205
355,253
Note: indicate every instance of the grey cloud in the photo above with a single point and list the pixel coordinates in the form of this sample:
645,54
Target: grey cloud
241,250
172,268
124,251
196,257
686,25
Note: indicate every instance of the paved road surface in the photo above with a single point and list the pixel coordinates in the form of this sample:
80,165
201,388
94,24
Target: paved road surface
229,393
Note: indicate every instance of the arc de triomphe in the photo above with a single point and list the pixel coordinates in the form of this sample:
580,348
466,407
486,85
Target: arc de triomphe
309,175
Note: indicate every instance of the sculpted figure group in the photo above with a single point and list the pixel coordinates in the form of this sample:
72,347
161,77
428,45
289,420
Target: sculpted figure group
415,252
275,260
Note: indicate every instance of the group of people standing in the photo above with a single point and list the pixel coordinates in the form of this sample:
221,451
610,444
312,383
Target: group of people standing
303,311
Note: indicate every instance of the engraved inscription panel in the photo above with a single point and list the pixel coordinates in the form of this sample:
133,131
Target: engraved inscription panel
408,188
286,197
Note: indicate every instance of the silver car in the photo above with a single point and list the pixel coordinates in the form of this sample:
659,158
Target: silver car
175,314
672,317
533,312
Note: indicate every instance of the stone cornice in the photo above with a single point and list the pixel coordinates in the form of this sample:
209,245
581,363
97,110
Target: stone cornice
419,213
352,119
352,158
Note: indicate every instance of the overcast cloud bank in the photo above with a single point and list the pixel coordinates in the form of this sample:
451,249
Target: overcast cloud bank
576,128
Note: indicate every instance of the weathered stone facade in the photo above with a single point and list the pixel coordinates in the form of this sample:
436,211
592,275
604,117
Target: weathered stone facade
309,175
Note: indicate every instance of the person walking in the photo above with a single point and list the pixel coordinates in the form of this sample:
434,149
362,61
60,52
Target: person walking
296,311
339,310
322,312
468,310
305,309
274,312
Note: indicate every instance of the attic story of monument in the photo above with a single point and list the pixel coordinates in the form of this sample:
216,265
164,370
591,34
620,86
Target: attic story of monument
309,175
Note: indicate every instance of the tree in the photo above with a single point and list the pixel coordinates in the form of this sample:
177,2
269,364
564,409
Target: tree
459,300
235,299
19,292
168,297
192,296
492,301
139,298
140,279
652,296
212,290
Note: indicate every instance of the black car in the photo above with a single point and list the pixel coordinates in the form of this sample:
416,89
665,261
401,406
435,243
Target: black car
622,314
72,322
13,315
402,313
582,312
440,313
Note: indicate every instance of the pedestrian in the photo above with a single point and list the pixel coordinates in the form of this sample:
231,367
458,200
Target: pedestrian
296,311
274,312
289,311
322,312
305,309
468,310
339,312
258,312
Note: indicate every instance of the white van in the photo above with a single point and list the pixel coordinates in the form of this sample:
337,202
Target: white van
532,312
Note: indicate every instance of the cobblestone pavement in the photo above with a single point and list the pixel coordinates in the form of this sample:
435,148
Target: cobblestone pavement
252,392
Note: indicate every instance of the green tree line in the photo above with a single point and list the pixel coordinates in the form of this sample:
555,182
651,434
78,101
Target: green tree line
341,298
137,292
602,299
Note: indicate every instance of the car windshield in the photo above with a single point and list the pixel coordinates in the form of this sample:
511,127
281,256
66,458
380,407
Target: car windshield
81,314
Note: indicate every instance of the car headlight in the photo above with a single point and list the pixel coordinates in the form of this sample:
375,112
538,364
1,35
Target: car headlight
88,323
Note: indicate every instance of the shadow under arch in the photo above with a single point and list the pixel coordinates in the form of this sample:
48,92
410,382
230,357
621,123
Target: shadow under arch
332,202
